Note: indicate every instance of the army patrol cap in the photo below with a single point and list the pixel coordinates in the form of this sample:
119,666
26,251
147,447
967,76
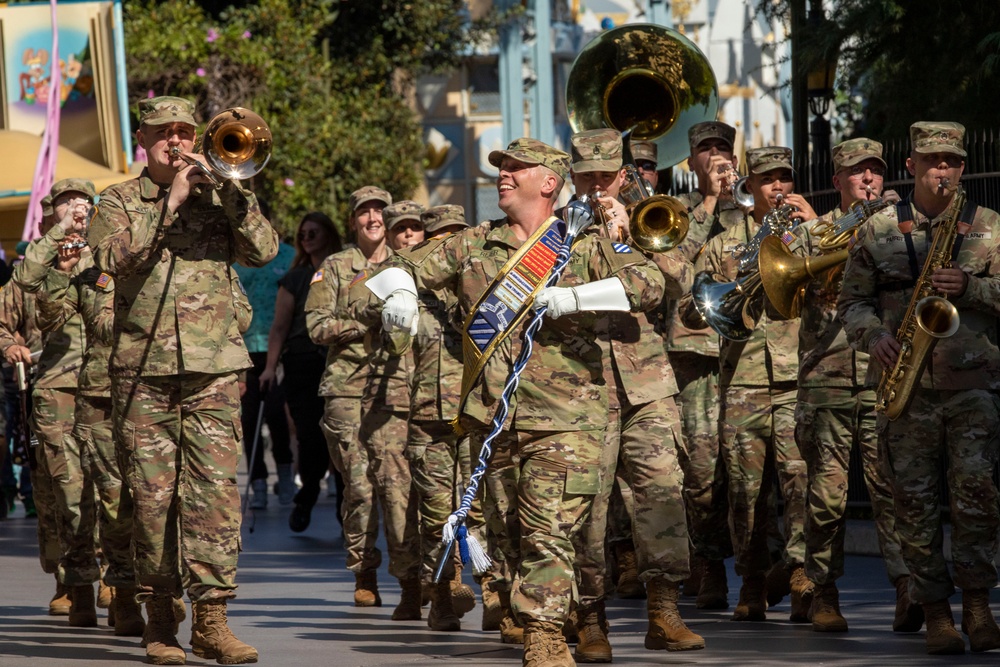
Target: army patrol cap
400,211
533,151
937,137
46,203
711,129
851,152
763,160
596,150
369,193
440,217
84,187
166,109
643,150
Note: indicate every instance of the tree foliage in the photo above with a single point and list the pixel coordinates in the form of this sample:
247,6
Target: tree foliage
329,77
911,59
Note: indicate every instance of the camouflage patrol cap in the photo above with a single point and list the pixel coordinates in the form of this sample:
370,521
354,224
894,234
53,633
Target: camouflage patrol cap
46,203
533,151
769,158
369,193
711,129
80,185
643,150
439,217
400,211
851,152
166,109
596,150
937,137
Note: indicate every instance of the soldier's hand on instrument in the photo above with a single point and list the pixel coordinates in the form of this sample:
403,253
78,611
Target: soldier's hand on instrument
885,350
951,281
721,176
16,353
617,225
400,311
75,219
803,210
890,196
69,253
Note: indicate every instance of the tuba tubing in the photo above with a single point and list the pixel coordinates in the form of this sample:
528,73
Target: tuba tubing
784,275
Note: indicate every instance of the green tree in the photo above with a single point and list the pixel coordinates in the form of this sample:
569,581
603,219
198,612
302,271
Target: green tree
331,78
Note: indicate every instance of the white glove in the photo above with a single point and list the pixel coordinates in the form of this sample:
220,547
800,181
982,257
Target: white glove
396,286
607,294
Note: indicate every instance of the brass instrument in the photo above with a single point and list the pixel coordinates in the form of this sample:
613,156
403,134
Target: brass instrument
73,245
236,146
785,276
928,318
733,308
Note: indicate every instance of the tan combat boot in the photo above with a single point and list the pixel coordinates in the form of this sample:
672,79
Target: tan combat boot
978,621
628,587
366,589
909,615
752,606
127,613
825,612
408,608
492,611
82,612
511,631
442,616
60,603
942,637
592,634
778,583
714,592
160,637
211,637
666,628
463,598
802,595
545,646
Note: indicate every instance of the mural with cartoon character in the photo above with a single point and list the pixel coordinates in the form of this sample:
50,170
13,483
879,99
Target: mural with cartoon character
76,81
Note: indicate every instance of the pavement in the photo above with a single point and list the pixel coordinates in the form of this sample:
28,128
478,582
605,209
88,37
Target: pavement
295,606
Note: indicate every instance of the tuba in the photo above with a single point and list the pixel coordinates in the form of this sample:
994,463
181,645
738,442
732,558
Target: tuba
236,145
650,83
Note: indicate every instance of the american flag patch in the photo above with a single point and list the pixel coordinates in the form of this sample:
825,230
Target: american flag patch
363,275
787,237
622,247
103,280
318,276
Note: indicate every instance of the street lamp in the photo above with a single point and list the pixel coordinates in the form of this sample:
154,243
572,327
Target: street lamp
820,78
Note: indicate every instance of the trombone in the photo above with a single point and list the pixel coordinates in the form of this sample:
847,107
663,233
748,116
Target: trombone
236,146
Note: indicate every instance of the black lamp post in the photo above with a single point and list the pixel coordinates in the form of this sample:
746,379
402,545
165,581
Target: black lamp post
819,89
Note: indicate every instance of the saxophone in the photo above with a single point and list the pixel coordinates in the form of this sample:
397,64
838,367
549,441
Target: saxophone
928,318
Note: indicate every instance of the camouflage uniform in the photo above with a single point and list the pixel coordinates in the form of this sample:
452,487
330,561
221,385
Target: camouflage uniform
60,455
955,409
545,467
343,383
757,421
835,413
173,372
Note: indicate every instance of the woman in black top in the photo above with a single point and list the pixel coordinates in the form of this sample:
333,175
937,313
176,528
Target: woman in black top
303,361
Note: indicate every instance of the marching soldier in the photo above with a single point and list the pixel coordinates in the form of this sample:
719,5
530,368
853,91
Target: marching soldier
954,413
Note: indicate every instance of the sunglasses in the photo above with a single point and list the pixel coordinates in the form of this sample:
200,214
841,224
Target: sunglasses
308,235
643,165
858,170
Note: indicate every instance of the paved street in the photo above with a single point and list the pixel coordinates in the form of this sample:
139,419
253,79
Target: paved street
296,607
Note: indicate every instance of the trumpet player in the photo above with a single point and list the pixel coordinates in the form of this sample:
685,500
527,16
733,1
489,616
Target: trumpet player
642,439
835,412
954,410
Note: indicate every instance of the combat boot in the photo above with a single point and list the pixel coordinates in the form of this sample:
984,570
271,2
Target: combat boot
160,637
942,637
286,488
60,603
492,611
592,634
258,501
752,605
211,637
544,646
693,583
714,592
978,621
366,589
666,628
82,612
825,612
802,595
778,583
408,608
511,631
442,616
126,612
628,587
909,615
463,598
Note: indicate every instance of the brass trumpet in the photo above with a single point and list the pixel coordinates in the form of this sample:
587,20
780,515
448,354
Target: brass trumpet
236,146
